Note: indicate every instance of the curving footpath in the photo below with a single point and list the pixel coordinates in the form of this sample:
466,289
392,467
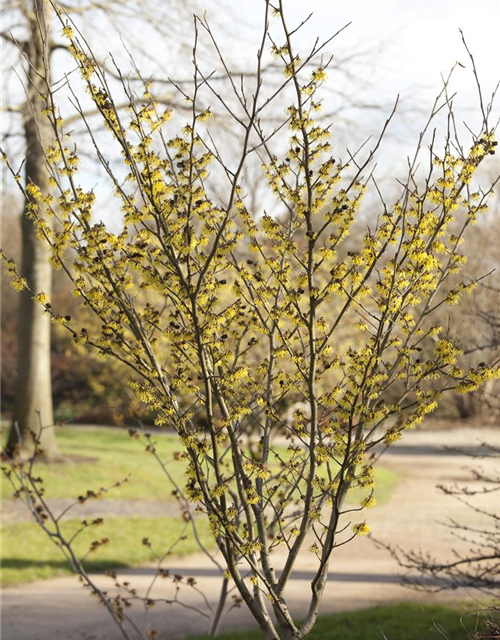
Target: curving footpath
362,574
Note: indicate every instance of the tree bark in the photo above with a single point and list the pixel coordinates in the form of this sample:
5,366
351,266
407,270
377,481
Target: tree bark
33,401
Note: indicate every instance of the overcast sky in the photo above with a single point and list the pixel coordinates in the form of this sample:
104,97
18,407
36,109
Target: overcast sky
413,45
421,39
407,46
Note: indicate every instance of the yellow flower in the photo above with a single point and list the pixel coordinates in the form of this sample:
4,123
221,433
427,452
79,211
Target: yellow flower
361,529
368,502
67,32
19,283
319,75
41,298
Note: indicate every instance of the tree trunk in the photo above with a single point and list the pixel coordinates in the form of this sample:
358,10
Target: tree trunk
33,401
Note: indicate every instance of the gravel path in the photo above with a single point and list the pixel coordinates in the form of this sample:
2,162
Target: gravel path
362,574
16,511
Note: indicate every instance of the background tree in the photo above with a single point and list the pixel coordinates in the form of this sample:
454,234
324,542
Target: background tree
33,404
23,21
479,327
29,31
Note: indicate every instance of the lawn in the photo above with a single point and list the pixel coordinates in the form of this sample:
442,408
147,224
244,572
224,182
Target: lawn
28,554
110,455
102,457
395,622
99,458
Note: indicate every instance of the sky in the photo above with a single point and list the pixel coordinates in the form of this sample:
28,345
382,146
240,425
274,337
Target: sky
405,47
399,47
420,40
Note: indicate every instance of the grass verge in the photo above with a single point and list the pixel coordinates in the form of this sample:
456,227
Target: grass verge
407,621
101,457
29,555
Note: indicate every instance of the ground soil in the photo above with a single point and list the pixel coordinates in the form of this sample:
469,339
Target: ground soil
362,574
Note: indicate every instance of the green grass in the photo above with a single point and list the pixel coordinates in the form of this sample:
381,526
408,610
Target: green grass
28,553
112,456
106,456
395,622
385,483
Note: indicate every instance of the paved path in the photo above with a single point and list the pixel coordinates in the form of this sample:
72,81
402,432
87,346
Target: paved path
16,511
362,575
